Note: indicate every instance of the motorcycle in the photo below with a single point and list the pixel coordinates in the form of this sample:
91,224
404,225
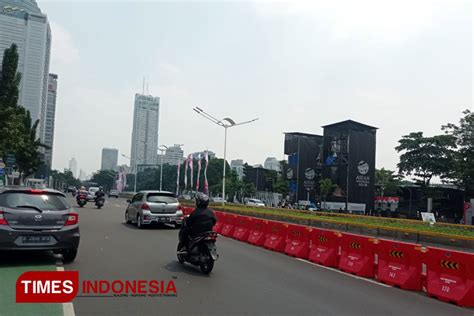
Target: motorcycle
99,202
82,199
201,251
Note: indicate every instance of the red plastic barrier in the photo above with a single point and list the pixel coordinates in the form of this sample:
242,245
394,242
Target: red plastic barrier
187,210
357,255
276,238
220,216
258,232
297,244
242,228
229,225
324,248
450,276
399,264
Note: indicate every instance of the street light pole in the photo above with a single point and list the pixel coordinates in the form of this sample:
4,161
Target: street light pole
225,123
223,171
136,172
161,165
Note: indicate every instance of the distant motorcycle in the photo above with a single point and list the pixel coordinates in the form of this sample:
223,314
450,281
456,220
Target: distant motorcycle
99,202
82,199
201,251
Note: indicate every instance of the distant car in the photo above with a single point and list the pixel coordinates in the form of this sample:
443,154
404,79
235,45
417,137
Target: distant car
255,202
113,193
71,189
32,219
91,193
148,207
218,200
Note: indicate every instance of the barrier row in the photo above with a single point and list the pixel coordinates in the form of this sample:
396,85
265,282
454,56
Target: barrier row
449,274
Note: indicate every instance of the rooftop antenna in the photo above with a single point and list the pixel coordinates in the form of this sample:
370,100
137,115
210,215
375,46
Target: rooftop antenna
147,91
143,86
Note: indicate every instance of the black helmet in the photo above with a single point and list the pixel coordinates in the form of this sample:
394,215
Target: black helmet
202,200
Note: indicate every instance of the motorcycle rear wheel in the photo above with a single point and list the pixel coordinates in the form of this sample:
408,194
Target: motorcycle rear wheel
207,266
180,257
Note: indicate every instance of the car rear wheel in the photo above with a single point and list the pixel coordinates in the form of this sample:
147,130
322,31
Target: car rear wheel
139,222
69,255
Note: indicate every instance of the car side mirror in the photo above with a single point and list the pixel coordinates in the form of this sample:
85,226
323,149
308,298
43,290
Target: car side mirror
129,201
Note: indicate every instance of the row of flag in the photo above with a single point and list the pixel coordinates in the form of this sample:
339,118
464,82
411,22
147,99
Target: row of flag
121,179
188,165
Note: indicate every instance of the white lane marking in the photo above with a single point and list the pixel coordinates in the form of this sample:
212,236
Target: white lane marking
342,272
68,308
116,205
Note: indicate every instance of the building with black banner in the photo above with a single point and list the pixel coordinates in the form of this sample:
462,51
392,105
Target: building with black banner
349,161
304,166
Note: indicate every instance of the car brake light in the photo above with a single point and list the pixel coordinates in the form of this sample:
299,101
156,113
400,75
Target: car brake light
36,191
72,219
180,208
3,221
145,206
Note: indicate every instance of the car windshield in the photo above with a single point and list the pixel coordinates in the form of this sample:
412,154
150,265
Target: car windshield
93,190
46,201
161,198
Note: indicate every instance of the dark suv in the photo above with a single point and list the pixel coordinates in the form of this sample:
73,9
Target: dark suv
33,219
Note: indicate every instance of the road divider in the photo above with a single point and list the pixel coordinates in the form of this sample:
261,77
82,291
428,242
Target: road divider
400,264
242,227
298,240
324,248
357,255
276,237
449,274
258,232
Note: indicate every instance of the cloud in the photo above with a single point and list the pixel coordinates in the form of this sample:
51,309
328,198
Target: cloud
348,18
64,49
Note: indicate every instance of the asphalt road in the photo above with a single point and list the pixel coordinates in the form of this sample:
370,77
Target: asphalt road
246,280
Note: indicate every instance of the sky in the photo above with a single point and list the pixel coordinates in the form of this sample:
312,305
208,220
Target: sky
297,65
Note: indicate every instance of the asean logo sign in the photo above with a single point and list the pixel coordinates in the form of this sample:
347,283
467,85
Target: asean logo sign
363,167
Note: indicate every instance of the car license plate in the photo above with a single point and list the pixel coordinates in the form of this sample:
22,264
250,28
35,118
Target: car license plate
164,219
35,239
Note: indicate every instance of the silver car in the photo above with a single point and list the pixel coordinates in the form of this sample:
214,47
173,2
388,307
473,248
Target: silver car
148,207
32,219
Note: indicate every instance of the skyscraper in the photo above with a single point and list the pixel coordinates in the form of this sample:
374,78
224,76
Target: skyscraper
145,130
49,119
22,23
271,163
173,155
109,159
73,166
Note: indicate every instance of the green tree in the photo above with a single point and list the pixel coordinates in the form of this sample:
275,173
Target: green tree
64,179
10,122
387,181
18,132
28,157
463,171
327,187
426,157
104,178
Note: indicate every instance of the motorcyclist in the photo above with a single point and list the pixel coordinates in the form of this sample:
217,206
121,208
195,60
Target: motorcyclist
82,191
201,220
99,194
